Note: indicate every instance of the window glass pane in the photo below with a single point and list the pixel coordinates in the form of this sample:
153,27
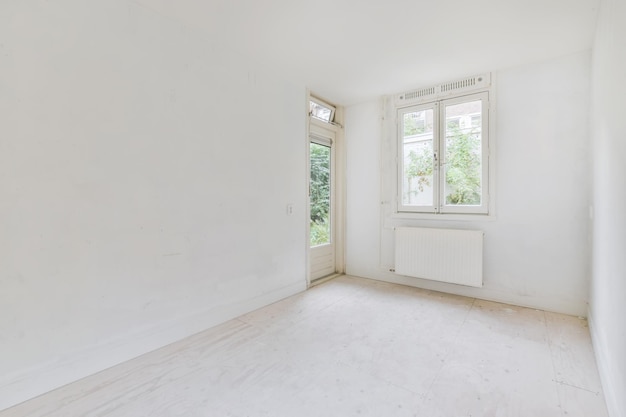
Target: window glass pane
463,154
320,194
417,154
321,112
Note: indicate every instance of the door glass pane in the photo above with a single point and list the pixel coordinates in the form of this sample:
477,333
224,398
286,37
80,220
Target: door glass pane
417,155
320,194
463,156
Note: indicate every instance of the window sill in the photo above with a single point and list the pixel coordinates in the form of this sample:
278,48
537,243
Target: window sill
444,217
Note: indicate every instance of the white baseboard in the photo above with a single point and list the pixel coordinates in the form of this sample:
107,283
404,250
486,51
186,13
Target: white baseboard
608,378
26,384
570,307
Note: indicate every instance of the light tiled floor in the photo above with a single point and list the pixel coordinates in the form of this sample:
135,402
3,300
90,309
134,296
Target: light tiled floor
355,347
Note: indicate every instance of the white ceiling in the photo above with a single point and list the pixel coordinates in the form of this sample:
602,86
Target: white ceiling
352,50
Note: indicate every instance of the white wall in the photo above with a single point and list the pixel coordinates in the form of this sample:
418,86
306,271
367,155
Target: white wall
537,248
608,290
144,178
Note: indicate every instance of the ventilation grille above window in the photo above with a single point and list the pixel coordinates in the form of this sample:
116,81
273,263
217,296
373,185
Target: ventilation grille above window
423,95
457,85
412,95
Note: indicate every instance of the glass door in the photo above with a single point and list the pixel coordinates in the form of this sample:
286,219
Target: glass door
322,204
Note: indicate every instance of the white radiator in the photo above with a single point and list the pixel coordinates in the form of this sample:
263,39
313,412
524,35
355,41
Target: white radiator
447,255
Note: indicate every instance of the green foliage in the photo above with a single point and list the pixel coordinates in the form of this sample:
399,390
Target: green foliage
420,167
320,233
320,193
463,163
413,126
462,168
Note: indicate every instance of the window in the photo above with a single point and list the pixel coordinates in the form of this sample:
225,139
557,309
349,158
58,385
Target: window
321,110
320,190
443,156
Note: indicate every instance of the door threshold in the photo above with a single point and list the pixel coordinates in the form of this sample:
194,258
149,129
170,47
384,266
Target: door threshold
324,279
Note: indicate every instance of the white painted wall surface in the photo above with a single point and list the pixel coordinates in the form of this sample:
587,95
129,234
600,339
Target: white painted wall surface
537,248
608,290
144,178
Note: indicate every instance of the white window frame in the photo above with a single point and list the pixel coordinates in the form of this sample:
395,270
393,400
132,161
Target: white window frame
321,103
439,127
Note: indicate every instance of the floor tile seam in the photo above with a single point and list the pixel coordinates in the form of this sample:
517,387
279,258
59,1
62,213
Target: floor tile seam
263,338
250,386
422,396
449,352
340,298
254,339
271,343
304,317
313,379
313,314
308,316
33,412
561,382
160,384
551,351
116,402
383,285
161,354
464,322
263,330
239,319
269,323
251,325
549,343
71,398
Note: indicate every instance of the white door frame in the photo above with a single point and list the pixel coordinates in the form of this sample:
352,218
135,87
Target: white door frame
323,256
338,151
